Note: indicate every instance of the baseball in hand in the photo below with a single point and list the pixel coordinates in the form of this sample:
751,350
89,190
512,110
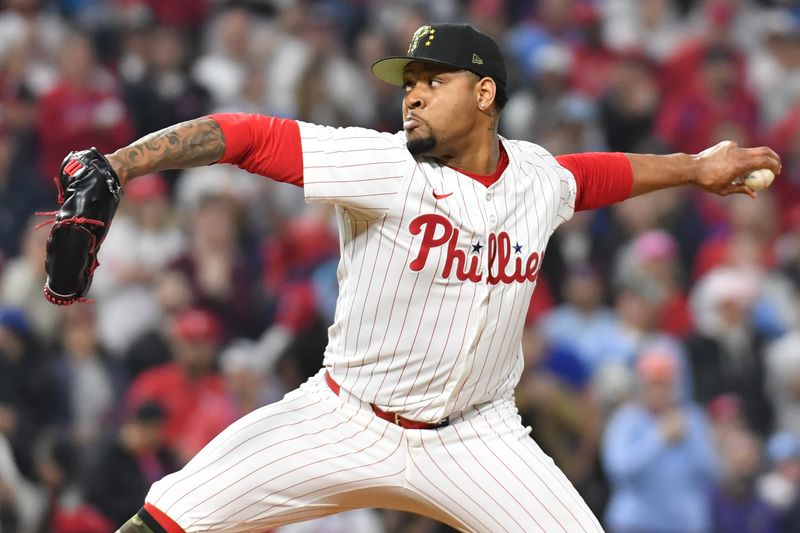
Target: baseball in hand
757,180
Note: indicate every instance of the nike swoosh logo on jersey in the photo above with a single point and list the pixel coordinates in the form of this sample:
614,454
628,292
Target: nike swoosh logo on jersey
441,196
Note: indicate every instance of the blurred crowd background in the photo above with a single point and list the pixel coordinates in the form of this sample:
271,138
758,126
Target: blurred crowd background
662,343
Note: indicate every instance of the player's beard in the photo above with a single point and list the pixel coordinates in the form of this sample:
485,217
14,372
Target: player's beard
421,146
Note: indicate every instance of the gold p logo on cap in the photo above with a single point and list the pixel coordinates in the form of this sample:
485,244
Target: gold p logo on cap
421,32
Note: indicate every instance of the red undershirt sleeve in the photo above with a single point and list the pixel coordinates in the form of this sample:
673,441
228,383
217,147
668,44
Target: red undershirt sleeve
264,145
602,178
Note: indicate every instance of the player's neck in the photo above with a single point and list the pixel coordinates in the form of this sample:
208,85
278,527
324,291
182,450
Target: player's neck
480,157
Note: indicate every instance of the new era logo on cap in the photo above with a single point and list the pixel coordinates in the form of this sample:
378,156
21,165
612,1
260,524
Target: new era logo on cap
455,45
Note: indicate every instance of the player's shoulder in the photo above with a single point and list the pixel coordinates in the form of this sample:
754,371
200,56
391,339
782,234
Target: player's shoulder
530,153
310,132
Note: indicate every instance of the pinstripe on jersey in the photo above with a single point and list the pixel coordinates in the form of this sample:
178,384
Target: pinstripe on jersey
436,270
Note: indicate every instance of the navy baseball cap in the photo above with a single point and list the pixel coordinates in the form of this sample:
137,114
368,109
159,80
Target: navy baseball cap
454,45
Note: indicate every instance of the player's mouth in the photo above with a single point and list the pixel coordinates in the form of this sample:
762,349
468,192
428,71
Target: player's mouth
411,122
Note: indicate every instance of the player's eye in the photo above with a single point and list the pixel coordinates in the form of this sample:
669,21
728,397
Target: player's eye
407,85
434,82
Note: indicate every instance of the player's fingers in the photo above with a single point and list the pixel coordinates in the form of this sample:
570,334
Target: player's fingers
764,157
749,192
736,188
760,150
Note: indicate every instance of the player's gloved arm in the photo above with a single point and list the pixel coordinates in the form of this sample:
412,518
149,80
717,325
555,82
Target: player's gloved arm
189,144
714,169
90,189
264,145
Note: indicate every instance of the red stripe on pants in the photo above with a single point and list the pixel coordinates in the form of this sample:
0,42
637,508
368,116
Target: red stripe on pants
163,520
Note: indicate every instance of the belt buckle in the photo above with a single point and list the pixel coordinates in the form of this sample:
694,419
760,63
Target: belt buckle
397,419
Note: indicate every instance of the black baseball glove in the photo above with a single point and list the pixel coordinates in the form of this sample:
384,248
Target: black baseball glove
89,192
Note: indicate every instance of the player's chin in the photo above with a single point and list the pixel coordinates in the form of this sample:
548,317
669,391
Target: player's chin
418,145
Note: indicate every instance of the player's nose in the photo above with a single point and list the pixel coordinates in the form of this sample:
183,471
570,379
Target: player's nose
413,98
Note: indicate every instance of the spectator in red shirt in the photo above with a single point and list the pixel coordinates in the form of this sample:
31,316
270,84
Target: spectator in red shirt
785,137
190,390
743,237
183,14
594,61
717,29
83,109
715,104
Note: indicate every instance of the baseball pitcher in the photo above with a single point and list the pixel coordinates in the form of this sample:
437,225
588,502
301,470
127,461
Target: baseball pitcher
443,229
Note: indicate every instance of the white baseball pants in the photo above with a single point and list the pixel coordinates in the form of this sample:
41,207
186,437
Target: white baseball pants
315,453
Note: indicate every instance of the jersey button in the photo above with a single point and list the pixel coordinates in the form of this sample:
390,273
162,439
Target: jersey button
489,195
492,219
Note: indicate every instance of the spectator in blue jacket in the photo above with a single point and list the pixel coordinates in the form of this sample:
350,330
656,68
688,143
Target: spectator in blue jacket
658,456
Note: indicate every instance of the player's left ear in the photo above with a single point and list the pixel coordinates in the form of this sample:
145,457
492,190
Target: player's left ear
485,91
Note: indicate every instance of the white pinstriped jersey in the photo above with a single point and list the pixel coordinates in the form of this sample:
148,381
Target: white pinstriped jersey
436,270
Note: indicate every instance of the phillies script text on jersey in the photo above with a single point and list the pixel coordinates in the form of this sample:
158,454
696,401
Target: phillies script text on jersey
498,249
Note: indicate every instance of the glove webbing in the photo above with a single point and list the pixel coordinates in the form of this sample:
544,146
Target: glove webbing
71,169
48,292
70,220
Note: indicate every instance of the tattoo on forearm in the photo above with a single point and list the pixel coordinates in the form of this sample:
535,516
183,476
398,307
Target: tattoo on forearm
189,144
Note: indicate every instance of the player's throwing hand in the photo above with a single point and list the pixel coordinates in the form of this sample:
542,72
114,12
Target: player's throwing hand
723,165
